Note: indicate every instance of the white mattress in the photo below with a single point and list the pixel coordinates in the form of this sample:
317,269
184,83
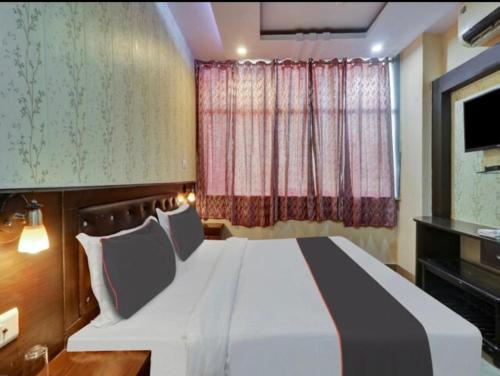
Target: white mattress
251,308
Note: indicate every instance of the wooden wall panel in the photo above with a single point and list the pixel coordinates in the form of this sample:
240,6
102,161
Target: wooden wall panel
33,284
47,288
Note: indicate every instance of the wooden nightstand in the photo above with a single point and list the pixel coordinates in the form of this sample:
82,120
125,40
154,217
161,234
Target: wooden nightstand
99,363
213,231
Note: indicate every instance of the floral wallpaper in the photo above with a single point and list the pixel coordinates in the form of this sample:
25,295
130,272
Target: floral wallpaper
475,197
94,94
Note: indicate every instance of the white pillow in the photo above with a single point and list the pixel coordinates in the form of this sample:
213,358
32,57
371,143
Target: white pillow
93,248
165,224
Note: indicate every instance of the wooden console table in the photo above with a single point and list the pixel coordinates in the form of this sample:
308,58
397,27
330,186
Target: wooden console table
467,288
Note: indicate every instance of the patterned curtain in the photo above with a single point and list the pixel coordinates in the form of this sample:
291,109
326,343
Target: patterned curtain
368,197
214,84
293,177
236,160
352,142
328,129
307,141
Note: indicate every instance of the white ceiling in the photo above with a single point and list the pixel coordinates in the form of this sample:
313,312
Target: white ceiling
313,15
215,30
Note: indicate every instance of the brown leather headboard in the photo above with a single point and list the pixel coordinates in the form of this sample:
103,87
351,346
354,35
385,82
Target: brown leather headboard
100,212
100,220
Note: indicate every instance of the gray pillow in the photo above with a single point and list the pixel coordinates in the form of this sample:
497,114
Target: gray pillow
186,232
137,267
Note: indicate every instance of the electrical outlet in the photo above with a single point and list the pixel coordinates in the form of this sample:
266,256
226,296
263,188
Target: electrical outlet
9,326
184,164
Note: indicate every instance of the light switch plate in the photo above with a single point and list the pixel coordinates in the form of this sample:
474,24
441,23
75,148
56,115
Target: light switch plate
184,164
9,326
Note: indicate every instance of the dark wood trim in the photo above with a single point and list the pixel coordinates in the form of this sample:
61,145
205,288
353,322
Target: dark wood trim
405,273
92,187
455,227
476,68
402,271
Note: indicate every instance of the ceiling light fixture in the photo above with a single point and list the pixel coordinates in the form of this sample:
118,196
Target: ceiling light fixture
377,47
242,51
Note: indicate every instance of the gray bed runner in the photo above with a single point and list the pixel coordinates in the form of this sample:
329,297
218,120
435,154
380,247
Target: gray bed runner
379,337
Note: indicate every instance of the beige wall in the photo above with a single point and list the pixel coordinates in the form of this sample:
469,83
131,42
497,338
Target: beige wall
427,58
421,63
454,53
94,94
411,134
433,67
380,242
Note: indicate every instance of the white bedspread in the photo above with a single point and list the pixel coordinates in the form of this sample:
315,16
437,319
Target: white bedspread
281,326
161,325
246,308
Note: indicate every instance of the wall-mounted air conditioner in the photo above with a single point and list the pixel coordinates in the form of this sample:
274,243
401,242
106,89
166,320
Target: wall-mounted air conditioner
479,23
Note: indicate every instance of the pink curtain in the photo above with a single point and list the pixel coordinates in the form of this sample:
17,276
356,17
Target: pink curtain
293,145
307,141
352,142
328,130
214,84
368,197
236,122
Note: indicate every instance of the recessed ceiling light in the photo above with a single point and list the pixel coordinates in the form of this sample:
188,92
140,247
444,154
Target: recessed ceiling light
377,47
242,51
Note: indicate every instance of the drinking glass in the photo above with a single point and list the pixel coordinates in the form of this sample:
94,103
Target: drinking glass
36,361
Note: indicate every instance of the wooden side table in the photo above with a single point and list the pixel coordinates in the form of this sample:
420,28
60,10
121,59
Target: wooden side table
213,231
99,363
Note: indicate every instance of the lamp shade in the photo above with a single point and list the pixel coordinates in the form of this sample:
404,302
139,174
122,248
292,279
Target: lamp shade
191,197
181,199
34,239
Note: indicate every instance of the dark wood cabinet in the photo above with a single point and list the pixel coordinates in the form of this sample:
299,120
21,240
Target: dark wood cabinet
469,289
490,253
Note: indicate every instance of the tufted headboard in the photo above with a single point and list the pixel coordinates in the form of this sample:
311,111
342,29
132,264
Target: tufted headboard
107,219
100,212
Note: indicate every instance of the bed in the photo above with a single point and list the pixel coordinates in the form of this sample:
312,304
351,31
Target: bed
311,306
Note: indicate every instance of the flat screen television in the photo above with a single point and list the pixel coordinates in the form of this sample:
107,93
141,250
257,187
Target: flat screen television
482,121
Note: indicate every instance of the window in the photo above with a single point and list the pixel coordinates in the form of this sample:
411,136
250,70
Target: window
287,140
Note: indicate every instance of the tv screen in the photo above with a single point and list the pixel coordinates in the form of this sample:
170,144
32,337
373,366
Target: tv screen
482,121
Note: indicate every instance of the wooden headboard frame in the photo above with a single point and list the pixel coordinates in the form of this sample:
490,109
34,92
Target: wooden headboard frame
101,212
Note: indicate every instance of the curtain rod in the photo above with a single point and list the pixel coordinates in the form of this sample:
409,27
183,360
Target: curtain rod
291,61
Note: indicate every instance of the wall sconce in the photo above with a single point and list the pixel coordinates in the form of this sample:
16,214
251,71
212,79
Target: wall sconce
34,237
191,197
180,199
186,196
